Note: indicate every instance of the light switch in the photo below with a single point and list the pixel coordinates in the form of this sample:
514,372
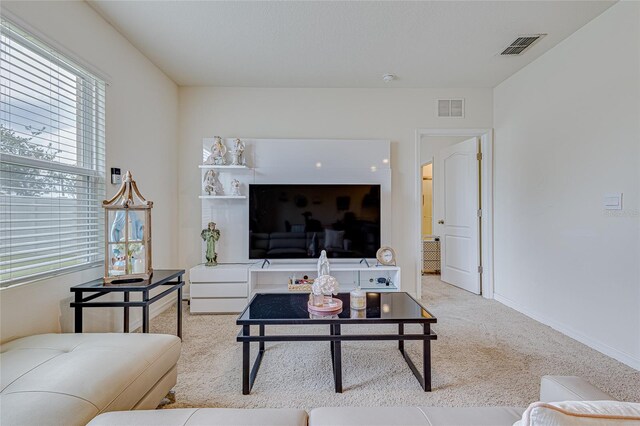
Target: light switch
613,201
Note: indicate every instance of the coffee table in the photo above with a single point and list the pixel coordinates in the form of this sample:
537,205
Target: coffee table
291,309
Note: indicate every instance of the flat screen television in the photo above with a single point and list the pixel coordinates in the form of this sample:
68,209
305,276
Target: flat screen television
299,221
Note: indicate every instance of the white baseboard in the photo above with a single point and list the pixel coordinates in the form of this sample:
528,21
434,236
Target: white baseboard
580,337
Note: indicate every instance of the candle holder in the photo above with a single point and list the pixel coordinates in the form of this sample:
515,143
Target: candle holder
358,299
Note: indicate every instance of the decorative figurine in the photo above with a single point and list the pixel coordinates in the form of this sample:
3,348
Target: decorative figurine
235,187
211,235
218,151
238,153
209,160
212,185
324,286
323,264
136,226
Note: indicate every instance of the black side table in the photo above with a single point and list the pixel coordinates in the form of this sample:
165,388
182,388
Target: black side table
99,288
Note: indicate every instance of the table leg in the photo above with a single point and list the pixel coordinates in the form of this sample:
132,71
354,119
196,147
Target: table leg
246,331
426,358
338,359
331,345
262,327
145,311
401,332
425,378
126,312
179,311
78,312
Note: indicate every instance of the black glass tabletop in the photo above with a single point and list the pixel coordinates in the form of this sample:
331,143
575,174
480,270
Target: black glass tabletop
292,308
159,277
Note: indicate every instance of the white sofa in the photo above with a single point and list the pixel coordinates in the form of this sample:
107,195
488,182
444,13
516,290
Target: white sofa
68,379
553,388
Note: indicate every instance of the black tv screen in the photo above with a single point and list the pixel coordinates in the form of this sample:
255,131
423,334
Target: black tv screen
299,221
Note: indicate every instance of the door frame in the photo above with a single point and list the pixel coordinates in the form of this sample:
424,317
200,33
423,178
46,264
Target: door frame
486,200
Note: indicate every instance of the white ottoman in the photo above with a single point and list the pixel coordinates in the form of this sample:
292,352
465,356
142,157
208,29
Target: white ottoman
67,379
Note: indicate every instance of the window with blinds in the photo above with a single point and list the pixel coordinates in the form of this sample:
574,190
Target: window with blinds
51,161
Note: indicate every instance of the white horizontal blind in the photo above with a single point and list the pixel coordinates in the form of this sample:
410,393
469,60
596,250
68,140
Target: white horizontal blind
51,161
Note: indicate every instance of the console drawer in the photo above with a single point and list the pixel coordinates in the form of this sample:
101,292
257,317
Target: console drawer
219,275
219,290
218,306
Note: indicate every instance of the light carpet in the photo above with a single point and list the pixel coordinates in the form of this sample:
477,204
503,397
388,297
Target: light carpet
486,354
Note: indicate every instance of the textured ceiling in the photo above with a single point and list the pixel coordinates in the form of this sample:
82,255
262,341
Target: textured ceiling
342,44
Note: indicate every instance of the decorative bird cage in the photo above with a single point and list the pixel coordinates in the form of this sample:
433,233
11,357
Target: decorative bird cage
128,235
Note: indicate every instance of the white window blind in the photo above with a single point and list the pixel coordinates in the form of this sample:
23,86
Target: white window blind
51,161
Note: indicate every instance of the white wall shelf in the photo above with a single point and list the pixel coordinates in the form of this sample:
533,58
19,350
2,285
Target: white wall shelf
222,197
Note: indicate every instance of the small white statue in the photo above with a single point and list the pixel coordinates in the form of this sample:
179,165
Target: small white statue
218,151
212,185
238,153
323,264
235,187
325,284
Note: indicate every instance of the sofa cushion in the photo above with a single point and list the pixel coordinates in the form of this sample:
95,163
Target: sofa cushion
587,413
472,415
69,378
414,416
205,417
570,388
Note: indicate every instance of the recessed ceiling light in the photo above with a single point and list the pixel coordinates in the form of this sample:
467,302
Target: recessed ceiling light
374,168
318,164
385,160
388,78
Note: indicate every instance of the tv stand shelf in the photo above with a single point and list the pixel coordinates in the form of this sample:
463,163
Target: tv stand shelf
298,267
226,288
274,277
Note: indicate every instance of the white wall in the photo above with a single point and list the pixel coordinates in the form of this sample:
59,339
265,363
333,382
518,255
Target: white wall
567,131
392,114
141,133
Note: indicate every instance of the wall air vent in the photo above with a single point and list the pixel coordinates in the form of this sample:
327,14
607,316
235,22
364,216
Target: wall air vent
522,43
451,108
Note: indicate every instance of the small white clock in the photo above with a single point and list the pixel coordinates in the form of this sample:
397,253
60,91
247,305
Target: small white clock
386,256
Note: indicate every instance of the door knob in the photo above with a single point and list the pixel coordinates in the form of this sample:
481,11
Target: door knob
441,222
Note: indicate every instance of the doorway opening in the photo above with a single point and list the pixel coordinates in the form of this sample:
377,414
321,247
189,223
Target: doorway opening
454,208
427,199
430,241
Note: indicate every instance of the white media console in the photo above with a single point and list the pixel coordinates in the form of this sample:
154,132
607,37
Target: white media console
226,288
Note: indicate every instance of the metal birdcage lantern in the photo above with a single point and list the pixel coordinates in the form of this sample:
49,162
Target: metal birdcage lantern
128,235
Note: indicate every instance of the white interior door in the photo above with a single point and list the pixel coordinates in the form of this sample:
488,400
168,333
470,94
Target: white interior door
456,180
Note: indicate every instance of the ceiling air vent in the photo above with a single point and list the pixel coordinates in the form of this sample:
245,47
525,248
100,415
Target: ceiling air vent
522,43
451,108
